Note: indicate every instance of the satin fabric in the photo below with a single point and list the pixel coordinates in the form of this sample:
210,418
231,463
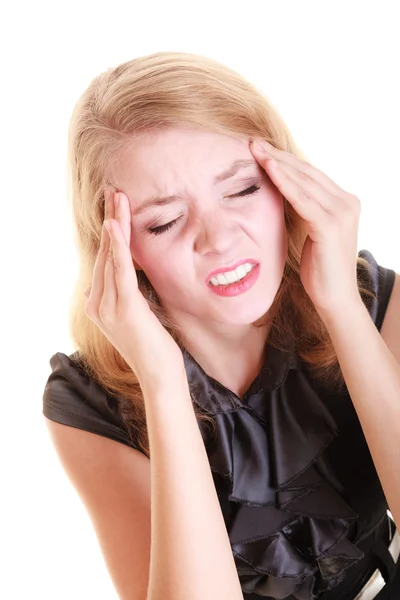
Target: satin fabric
287,523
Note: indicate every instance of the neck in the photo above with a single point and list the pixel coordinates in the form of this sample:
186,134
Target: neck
233,360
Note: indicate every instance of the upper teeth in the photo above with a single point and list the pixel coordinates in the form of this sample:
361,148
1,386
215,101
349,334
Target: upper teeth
231,276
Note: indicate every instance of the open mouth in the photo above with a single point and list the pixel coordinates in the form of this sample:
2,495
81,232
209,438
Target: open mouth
244,277
232,276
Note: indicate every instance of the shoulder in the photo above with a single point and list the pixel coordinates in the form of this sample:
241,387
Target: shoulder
385,307
379,280
71,397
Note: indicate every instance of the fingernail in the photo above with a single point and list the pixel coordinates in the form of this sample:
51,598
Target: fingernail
87,292
257,146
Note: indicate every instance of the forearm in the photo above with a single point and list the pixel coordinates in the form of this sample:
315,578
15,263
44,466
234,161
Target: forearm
191,557
372,376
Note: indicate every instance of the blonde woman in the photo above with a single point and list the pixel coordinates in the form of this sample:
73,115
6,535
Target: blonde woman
231,415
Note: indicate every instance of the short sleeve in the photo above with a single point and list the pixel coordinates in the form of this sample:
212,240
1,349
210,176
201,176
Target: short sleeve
72,398
380,281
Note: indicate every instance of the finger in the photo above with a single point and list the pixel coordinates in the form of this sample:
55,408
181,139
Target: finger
124,271
123,215
109,209
108,303
287,157
280,172
97,286
303,203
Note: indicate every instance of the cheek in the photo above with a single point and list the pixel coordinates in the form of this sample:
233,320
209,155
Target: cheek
164,270
268,217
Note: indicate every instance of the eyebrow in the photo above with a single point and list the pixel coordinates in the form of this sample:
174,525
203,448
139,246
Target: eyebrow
236,166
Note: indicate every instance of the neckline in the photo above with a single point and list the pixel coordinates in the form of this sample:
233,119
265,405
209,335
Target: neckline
272,374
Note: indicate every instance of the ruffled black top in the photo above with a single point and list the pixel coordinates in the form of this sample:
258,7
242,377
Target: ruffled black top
287,522
294,476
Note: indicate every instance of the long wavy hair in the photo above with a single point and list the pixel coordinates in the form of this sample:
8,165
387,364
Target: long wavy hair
153,92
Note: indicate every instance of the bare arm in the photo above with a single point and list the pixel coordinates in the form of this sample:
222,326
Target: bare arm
191,556
372,374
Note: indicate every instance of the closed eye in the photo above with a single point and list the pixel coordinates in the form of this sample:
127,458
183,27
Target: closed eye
162,228
247,192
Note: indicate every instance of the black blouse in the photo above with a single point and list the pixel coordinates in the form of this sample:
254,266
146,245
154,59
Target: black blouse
301,499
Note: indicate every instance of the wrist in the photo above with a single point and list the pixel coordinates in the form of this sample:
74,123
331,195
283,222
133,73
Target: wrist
346,318
164,383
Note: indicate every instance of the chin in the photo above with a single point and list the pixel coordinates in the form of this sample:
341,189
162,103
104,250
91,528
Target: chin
247,313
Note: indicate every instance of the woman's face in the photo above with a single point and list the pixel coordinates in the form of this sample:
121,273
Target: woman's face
206,226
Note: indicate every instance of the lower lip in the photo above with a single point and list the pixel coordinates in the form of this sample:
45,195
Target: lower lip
238,287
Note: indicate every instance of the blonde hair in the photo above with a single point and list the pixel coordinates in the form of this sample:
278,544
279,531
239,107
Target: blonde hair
153,92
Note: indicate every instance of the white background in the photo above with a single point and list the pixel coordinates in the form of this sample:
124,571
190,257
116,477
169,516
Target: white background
331,68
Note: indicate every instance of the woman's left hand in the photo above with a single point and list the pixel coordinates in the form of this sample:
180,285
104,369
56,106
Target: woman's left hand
328,267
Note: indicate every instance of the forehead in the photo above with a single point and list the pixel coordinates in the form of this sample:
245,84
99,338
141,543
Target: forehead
164,162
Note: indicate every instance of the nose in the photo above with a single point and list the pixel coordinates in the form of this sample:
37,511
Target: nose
216,235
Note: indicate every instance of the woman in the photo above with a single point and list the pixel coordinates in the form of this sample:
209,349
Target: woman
231,335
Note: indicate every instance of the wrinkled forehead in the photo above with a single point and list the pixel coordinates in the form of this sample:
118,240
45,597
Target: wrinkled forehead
166,161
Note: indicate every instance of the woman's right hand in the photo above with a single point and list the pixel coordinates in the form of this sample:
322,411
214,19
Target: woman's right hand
119,309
